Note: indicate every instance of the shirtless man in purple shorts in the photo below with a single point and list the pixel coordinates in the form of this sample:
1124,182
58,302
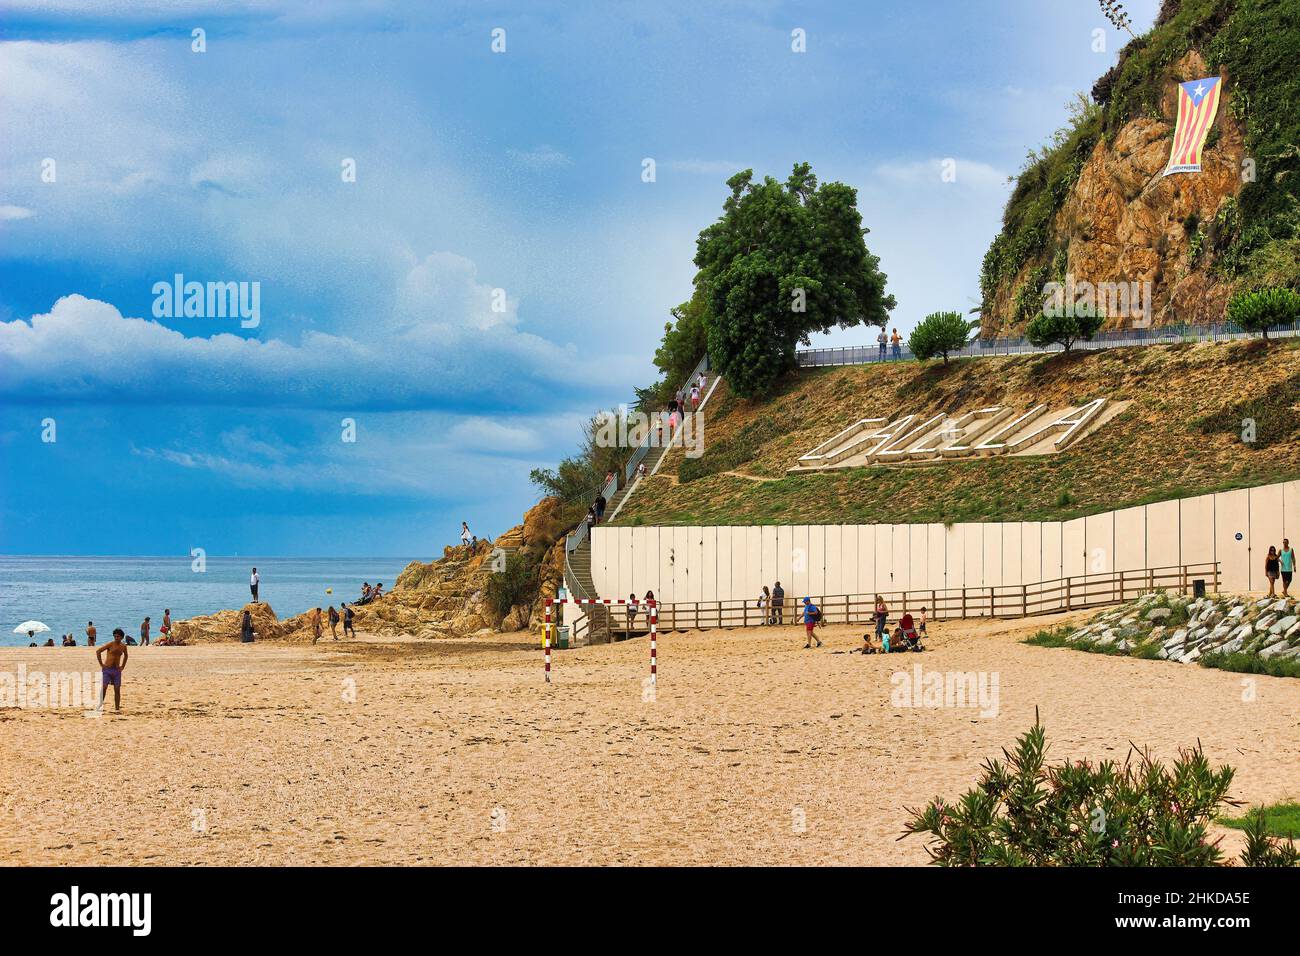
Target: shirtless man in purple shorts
112,667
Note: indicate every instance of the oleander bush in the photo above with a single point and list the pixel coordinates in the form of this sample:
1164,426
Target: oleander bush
1024,812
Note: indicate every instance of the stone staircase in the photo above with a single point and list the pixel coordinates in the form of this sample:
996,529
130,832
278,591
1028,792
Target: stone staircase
600,631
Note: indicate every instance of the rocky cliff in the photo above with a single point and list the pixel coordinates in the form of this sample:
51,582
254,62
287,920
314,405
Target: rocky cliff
1093,206
453,596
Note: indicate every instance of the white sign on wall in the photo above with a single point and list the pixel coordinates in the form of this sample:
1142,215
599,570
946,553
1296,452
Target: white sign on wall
996,430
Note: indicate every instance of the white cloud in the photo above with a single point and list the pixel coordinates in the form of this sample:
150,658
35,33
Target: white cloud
85,350
541,157
968,173
10,213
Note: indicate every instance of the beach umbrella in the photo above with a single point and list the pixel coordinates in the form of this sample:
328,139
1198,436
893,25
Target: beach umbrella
34,626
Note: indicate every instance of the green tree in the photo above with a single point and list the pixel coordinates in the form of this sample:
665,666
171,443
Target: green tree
685,341
783,261
1260,310
1064,327
579,478
940,333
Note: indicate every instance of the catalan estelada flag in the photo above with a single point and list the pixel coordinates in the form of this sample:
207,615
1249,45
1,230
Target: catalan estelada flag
1198,101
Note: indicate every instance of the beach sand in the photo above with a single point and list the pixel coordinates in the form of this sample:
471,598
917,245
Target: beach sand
394,752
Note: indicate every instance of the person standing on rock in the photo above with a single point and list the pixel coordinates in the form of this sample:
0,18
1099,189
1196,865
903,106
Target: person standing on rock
253,581
1272,565
1286,563
464,533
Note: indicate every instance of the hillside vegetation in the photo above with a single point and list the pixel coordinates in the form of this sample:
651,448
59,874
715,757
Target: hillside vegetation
1180,436
1093,203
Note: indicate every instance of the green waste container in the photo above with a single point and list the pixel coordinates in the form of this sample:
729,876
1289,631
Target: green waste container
562,637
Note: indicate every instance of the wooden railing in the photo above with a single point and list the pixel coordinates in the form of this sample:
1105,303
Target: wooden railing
999,601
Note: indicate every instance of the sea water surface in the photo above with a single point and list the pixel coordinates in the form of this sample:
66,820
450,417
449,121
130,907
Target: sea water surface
66,592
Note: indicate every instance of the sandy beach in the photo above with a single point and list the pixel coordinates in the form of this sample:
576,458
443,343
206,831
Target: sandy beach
406,752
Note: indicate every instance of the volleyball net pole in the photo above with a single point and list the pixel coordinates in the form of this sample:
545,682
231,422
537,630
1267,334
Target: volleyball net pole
549,621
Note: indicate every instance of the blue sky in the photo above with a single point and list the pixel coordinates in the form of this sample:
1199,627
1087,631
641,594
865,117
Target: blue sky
475,172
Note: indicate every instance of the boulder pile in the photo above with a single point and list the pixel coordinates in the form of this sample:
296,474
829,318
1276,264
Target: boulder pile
1171,627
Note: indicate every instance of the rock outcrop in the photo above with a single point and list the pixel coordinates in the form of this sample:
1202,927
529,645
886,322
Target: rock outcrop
1123,221
443,598
1205,630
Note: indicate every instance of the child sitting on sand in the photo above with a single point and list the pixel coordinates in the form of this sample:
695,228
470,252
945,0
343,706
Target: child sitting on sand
867,646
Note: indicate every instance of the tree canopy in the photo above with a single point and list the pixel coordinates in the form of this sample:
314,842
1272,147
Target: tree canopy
783,261
940,333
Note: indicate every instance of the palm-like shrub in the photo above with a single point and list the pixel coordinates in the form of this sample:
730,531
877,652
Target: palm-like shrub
1141,813
1261,309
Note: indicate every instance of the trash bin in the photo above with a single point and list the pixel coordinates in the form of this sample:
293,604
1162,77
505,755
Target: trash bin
562,637
1198,588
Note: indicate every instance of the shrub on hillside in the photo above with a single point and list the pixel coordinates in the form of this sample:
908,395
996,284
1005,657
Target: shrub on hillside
1058,328
1025,813
1263,309
940,333
513,585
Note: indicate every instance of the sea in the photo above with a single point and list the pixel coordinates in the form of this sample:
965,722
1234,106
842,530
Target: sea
65,592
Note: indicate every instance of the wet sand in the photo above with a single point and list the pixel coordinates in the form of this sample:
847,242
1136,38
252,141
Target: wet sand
753,750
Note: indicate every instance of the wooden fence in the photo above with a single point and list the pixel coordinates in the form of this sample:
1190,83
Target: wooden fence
999,601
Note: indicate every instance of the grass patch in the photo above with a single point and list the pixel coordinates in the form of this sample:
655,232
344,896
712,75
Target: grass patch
1280,820
1242,662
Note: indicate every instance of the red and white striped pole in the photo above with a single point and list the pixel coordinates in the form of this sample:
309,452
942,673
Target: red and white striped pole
654,632
546,641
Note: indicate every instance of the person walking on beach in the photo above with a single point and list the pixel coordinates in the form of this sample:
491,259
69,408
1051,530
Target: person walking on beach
314,620
144,632
778,604
348,614
246,628
334,622
1286,563
1272,566
253,581
166,628
812,614
464,533
112,661
91,634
